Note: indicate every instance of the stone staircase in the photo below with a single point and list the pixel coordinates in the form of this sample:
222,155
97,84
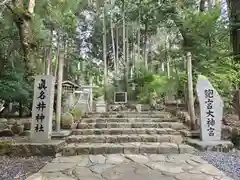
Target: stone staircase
132,133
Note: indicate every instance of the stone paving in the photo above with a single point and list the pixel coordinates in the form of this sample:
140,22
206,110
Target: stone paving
129,167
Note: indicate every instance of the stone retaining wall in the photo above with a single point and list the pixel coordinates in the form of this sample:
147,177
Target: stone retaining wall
26,149
228,132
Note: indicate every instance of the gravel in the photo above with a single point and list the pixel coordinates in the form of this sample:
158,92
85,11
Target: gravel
227,162
16,168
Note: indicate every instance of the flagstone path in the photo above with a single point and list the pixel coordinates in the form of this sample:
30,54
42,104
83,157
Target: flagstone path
129,167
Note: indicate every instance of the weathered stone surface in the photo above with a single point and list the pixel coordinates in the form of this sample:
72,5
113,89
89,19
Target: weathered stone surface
177,158
189,176
17,128
150,131
71,159
127,148
177,139
115,159
56,167
36,176
100,168
207,93
133,167
99,149
97,159
172,131
169,168
129,131
27,148
6,133
184,148
114,148
85,173
220,146
85,148
177,126
147,173
163,138
157,157
70,150
130,148
168,148
119,171
226,178
149,148
138,158
84,162
55,176
192,163
209,170
3,120
173,125
134,138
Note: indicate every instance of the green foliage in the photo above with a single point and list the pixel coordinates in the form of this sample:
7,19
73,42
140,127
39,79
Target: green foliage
165,25
97,92
14,88
149,83
76,112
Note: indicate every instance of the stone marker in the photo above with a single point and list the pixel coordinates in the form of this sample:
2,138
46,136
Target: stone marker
42,110
211,107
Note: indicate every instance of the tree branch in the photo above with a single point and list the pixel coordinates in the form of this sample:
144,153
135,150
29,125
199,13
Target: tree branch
31,6
4,2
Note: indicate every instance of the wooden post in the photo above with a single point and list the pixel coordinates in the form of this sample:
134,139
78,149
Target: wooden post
91,94
59,90
190,91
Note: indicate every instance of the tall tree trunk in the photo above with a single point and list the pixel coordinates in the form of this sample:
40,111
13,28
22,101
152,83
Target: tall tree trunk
67,60
49,54
117,54
105,53
23,21
145,45
202,5
163,66
57,55
31,6
124,45
59,91
133,54
127,56
113,41
168,47
139,31
191,109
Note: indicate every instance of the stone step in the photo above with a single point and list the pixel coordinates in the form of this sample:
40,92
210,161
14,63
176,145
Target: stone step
173,125
122,120
124,138
133,114
119,131
126,148
146,115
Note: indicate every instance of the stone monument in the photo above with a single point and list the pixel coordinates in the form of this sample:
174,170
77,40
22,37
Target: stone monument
101,105
42,110
211,108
